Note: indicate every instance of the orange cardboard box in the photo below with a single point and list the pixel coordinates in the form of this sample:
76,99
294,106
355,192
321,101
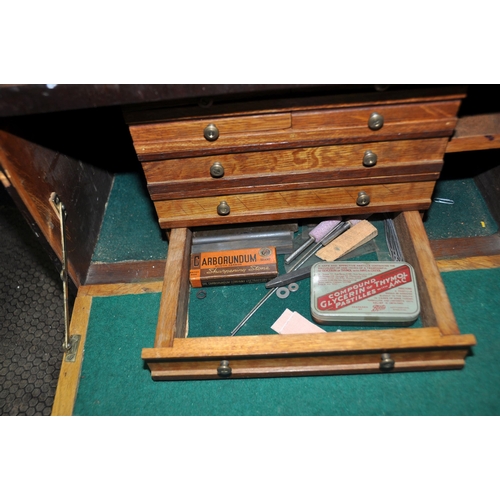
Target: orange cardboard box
247,265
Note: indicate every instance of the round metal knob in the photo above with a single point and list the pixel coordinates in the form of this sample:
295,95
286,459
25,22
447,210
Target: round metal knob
217,170
223,208
211,132
376,121
369,159
363,199
386,362
224,370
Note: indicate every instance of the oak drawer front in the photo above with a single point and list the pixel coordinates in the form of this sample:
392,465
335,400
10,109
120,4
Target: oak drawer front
185,138
295,169
438,344
304,203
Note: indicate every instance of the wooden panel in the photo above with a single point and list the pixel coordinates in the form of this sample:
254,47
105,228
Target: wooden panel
192,130
435,304
295,168
34,165
294,204
287,100
459,248
117,289
401,114
125,272
35,172
158,150
311,365
309,128
475,133
306,344
427,172
172,317
69,375
469,263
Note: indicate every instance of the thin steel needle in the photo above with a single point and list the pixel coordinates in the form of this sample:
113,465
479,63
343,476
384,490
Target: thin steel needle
335,231
253,311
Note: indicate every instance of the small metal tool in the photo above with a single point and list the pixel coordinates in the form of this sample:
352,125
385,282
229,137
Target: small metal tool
391,237
330,236
443,201
291,277
304,272
314,236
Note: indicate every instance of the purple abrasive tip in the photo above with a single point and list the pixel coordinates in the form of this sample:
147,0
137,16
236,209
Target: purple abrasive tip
323,228
315,235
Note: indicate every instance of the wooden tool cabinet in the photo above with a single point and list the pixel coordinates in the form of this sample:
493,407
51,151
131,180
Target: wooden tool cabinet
310,157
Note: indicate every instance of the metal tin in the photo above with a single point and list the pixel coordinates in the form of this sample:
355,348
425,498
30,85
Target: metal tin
363,293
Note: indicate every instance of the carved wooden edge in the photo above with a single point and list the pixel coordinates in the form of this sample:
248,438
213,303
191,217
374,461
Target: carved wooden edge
436,309
172,318
69,375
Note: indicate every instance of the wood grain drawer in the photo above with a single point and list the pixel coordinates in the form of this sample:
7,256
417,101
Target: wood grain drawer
289,169
303,203
437,345
299,128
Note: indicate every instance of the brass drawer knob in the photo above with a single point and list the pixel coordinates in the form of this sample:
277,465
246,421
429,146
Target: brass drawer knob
224,370
211,132
386,362
223,208
217,170
369,159
376,121
363,199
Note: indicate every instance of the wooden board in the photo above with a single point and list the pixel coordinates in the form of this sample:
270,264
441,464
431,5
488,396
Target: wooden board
69,375
36,167
309,128
302,203
304,168
475,133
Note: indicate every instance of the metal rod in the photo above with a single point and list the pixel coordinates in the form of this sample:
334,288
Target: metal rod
253,311
64,275
299,250
336,231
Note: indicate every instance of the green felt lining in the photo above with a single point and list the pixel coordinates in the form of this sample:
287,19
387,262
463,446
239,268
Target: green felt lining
115,381
130,229
468,216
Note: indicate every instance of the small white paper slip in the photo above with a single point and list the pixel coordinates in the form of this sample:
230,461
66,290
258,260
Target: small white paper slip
293,322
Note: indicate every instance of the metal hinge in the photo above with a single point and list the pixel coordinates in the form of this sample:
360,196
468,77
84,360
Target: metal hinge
61,214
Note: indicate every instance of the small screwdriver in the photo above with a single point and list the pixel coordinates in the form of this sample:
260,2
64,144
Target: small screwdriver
315,236
300,273
330,236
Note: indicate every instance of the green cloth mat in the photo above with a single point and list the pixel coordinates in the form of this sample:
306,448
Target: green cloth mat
115,381
467,217
130,229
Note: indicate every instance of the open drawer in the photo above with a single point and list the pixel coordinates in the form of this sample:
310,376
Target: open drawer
437,345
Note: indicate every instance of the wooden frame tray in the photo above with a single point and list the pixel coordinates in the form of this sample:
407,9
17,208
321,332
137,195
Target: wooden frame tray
437,345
